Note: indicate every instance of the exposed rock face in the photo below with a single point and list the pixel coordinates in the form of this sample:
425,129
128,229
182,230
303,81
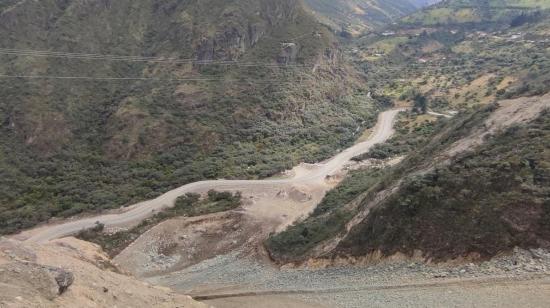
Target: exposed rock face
228,45
31,280
238,34
288,53
63,278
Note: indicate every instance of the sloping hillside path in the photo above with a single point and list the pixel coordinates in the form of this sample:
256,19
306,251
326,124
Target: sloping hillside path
303,176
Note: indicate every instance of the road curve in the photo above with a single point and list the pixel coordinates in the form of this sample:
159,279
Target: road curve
135,213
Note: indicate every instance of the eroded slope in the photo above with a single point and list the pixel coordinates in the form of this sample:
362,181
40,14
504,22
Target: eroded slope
73,273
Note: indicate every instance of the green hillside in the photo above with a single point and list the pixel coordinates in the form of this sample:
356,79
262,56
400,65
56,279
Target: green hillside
458,67
485,202
472,12
482,202
69,146
356,16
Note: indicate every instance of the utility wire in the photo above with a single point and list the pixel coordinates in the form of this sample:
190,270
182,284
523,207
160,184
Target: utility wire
91,78
83,56
377,70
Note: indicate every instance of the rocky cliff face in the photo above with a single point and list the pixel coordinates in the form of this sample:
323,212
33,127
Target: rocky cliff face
210,29
237,33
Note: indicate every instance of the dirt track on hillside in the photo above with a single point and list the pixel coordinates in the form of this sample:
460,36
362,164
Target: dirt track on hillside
310,176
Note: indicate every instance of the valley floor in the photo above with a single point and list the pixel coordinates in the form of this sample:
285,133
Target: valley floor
518,280
531,293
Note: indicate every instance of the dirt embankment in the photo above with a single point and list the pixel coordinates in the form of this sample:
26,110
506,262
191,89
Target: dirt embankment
181,242
73,273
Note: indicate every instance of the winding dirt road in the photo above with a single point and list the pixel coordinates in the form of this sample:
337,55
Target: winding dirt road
138,212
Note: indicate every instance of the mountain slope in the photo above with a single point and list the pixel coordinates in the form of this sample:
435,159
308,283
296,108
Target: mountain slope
460,65
355,16
474,12
476,188
484,202
478,203
188,112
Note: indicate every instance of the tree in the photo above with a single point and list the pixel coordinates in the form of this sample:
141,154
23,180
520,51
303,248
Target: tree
420,103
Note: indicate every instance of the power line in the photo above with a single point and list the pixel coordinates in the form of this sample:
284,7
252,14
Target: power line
88,56
156,79
84,56
378,70
91,78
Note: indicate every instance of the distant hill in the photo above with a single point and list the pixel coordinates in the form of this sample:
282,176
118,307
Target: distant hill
424,3
475,11
355,16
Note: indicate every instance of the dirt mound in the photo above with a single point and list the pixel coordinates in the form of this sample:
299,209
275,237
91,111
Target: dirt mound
73,273
182,242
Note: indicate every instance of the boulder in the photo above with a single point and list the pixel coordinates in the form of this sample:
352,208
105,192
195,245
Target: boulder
63,278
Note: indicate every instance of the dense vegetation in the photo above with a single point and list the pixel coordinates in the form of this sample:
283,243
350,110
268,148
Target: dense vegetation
68,147
189,205
412,131
485,202
73,146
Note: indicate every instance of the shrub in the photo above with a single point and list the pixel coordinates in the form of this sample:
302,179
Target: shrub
187,205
